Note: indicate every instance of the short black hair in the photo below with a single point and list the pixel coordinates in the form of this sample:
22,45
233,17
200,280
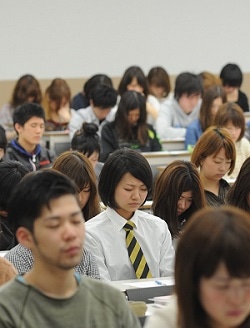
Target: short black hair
93,81
103,96
231,75
3,139
35,191
11,173
26,111
187,83
120,162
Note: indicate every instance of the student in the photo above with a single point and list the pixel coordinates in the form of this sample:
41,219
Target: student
29,120
130,128
239,193
81,100
231,117
178,112
215,155
3,143
232,77
179,184
209,80
102,100
87,141
78,168
212,273
134,79
159,83
125,181
56,104
11,173
212,99
52,294
27,89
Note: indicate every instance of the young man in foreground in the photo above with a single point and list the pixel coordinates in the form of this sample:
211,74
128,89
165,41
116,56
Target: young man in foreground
52,294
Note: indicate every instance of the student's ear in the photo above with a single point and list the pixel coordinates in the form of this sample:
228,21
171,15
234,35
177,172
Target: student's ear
24,237
18,127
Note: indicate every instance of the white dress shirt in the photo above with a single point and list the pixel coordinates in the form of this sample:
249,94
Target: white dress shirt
105,238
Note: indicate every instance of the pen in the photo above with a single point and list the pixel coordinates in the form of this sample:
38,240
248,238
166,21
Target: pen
159,283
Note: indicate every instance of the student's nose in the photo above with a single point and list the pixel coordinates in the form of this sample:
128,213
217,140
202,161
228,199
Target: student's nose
69,231
236,294
182,203
136,194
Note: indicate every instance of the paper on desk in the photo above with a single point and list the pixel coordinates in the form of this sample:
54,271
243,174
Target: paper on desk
152,283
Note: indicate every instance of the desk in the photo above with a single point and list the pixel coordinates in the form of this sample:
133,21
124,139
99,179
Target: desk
165,157
57,141
173,144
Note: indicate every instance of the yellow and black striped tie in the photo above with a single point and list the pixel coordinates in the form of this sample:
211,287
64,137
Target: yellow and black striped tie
135,253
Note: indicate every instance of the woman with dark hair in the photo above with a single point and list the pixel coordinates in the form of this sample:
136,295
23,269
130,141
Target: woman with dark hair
27,89
124,184
78,168
11,173
159,83
134,79
212,273
212,99
129,129
239,193
214,155
178,184
87,141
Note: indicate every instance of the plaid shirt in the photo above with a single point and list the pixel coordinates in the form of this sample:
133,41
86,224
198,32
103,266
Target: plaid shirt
22,259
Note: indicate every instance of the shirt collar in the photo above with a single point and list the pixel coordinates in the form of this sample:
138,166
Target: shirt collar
118,221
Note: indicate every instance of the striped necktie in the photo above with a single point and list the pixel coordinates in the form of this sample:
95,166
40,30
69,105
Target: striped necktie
135,253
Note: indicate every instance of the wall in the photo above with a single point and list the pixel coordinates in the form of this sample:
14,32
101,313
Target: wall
78,38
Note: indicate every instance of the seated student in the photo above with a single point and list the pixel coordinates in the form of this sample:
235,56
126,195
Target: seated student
29,120
52,294
56,104
3,143
7,271
130,128
215,155
209,80
87,141
239,193
177,113
231,117
232,77
159,83
124,184
212,99
134,79
27,89
81,100
102,100
212,273
11,173
77,167
178,184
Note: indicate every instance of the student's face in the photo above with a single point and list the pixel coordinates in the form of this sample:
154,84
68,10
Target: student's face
217,102
184,202
101,113
214,167
58,236
130,193
233,130
229,89
83,196
225,299
135,86
158,92
64,103
1,153
189,102
133,116
94,158
32,131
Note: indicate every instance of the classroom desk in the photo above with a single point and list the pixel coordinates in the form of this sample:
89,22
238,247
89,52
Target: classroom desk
173,144
57,140
165,157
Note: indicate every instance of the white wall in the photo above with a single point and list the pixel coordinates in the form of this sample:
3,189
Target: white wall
77,38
